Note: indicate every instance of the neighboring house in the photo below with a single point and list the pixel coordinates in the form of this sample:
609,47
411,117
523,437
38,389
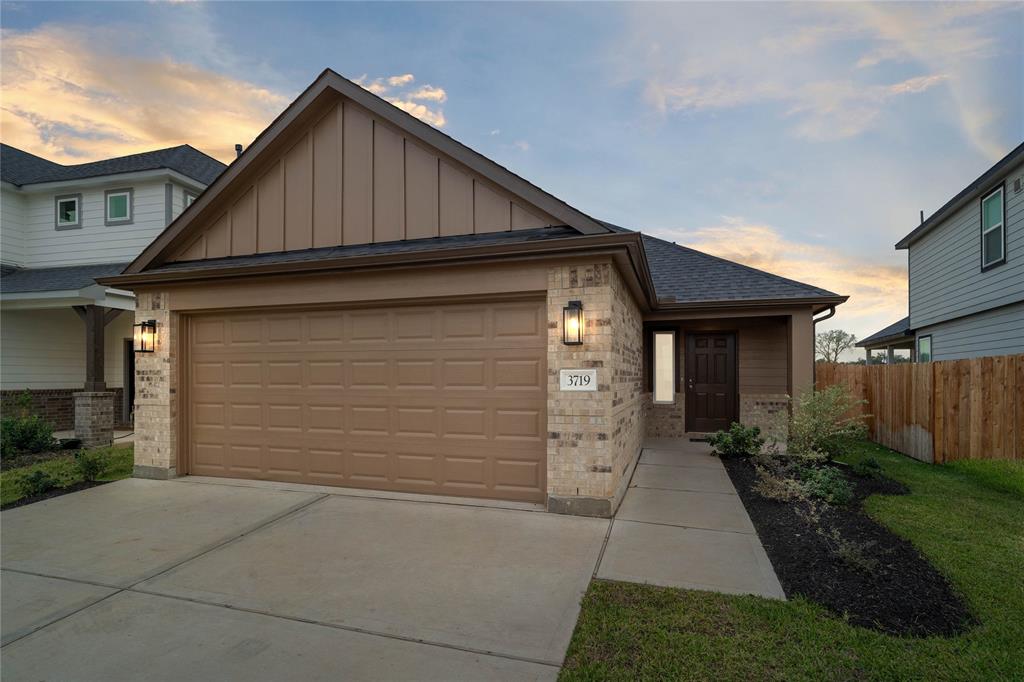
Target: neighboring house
60,228
966,273
360,300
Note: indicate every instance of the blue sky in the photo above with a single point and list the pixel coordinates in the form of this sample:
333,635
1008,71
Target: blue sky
802,139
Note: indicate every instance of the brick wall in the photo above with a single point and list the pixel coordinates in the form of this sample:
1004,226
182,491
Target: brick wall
593,436
155,385
55,405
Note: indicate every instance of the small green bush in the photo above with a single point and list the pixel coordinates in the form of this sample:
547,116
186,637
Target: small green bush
90,465
37,483
24,432
820,428
738,441
867,468
827,484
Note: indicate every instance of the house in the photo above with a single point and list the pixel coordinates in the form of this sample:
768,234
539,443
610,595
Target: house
362,301
61,227
966,273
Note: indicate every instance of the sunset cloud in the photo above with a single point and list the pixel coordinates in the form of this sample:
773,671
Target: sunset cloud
395,90
878,293
818,62
67,99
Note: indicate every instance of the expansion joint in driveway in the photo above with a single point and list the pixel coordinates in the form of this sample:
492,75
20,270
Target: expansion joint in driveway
118,589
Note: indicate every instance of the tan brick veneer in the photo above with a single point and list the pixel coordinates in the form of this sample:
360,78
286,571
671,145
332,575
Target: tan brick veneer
156,378
594,437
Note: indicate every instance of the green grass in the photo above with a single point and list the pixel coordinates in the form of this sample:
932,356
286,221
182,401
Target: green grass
64,470
967,518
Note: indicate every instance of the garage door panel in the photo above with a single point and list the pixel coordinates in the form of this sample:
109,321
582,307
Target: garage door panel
448,399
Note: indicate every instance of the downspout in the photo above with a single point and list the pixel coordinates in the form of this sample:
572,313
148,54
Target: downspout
814,328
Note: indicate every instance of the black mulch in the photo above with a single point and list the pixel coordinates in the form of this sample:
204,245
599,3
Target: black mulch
53,492
903,594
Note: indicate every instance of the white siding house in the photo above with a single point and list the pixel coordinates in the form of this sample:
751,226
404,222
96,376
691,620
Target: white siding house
60,228
966,272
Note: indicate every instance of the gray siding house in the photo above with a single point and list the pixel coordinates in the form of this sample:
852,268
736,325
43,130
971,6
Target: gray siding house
966,273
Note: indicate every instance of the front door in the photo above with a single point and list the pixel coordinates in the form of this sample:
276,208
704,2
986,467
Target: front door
711,400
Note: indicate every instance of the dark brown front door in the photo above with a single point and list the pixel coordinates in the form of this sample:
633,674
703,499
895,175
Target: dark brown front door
710,381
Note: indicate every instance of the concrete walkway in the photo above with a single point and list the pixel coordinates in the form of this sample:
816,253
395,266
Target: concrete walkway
682,524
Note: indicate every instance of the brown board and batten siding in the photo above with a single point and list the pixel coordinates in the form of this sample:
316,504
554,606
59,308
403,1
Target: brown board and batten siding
351,178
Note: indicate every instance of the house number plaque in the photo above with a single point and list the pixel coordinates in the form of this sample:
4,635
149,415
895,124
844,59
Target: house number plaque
577,380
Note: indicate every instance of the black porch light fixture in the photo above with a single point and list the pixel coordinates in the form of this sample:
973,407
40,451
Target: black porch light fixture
144,336
572,324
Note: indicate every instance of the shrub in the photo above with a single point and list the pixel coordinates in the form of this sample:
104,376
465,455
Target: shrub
738,441
90,464
820,428
828,484
775,486
867,468
36,483
24,434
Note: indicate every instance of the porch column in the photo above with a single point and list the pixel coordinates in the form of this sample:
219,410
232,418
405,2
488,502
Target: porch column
94,405
867,356
890,355
801,353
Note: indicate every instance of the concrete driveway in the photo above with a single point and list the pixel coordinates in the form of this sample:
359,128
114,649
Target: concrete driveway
199,580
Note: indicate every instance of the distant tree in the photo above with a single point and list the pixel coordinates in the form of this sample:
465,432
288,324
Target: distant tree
831,344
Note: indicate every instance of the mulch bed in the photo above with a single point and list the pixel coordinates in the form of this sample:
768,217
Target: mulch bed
53,492
903,594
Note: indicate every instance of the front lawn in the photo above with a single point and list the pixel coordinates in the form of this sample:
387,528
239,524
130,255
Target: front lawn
967,518
116,461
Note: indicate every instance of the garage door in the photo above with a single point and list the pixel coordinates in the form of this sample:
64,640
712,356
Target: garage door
447,399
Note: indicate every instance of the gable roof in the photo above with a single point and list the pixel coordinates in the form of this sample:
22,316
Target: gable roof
19,168
982,184
894,332
331,82
686,276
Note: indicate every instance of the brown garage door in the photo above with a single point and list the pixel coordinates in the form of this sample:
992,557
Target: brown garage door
446,399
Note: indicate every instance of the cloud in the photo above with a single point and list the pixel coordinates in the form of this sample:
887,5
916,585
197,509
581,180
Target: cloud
399,81
878,293
820,62
69,99
521,145
395,90
429,92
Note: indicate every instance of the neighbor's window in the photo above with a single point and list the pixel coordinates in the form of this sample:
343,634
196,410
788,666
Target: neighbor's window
189,198
924,349
69,211
993,236
119,206
664,373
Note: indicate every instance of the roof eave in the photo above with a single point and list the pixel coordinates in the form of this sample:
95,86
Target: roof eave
584,244
822,303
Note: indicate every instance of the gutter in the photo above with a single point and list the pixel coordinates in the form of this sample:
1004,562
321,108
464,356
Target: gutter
814,330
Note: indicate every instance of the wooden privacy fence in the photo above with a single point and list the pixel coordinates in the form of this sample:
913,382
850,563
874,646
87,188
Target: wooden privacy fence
940,411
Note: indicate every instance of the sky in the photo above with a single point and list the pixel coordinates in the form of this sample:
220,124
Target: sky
802,139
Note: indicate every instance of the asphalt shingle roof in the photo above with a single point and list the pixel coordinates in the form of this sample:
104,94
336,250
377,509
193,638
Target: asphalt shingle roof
384,248
685,275
73,277
894,330
18,167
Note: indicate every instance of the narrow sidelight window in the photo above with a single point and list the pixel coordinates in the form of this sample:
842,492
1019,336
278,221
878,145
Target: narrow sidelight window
664,367
924,349
189,197
993,236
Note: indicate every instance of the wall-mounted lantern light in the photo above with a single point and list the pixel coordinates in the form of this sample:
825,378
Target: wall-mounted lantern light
144,338
572,324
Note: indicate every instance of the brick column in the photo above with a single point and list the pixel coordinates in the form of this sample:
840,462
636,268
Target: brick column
94,418
156,448
593,437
